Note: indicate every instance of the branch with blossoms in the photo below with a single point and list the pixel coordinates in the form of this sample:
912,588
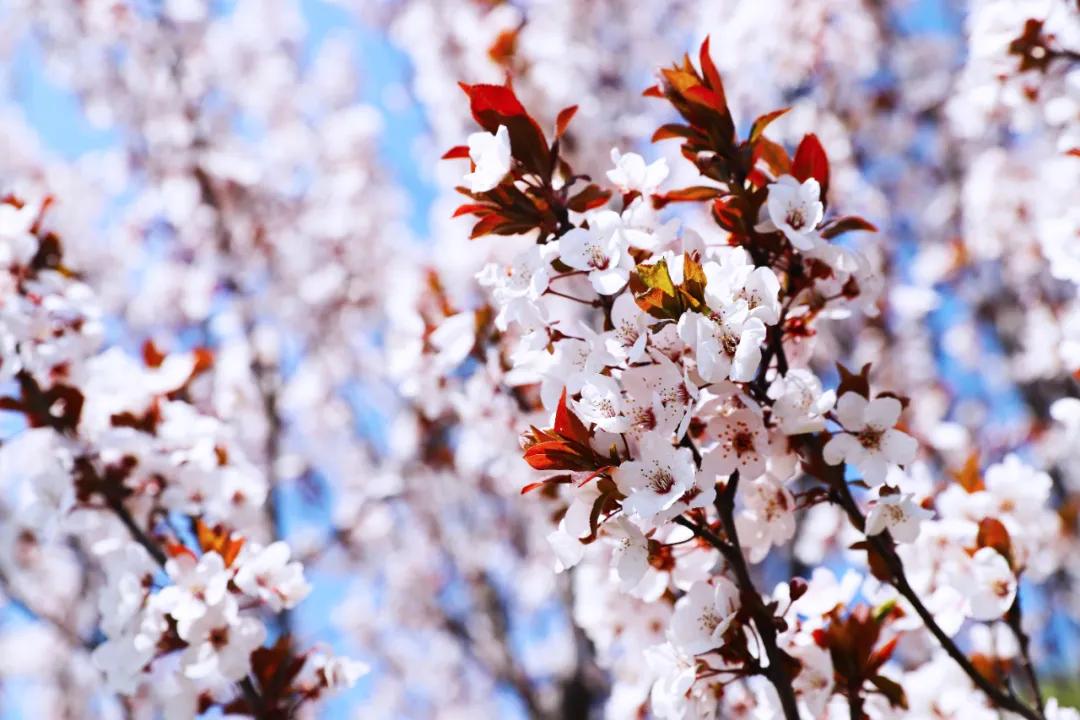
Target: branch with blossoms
159,494
677,367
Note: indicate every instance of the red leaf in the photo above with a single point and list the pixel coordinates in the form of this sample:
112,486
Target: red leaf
854,382
892,691
882,654
556,480
696,193
708,69
495,105
846,224
591,197
653,91
596,473
992,533
152,357
568,425
557,455
763,122
811,162
968,476
175,549
774,155
457,152
473,209
563,119
704,96
488,100
672,130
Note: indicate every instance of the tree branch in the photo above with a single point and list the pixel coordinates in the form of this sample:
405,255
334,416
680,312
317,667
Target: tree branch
883,544
777,671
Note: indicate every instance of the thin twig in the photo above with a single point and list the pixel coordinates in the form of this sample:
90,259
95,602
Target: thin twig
883,544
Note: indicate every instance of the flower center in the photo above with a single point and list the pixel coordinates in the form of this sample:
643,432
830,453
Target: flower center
870,438
742,442
730,343
795,218
597,258
710,620
628,333
219,637
604,408
644,419
894,514
661,481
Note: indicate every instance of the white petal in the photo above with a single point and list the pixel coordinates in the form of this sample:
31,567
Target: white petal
839,448
851,410
882,412
900,448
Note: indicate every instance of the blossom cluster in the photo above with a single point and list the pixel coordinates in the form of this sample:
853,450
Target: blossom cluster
676,356
116,462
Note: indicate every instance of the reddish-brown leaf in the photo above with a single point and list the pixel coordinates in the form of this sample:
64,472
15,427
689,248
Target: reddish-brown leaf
152,357
968,476
563,119
554,480
992,534
697,193
567,423
708,69
590,197
473,209
457,152
773,155
495,105
811,162
672,130
846,224
763,122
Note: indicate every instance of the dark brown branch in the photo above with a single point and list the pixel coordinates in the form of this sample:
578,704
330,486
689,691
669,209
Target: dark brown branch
764,621
1013,619
883,544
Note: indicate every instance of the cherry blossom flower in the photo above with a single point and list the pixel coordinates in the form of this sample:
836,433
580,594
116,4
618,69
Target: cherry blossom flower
632,174
267,574
332,672
628,338
197,585
799,404
221,641
601,403
601,251
869,441
491,155
898,514
726,345
794,209
657,479
768,517
630,556
736,276
991,589
740,443
703,615
675,674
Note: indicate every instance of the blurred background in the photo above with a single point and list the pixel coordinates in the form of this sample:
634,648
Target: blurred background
262,178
